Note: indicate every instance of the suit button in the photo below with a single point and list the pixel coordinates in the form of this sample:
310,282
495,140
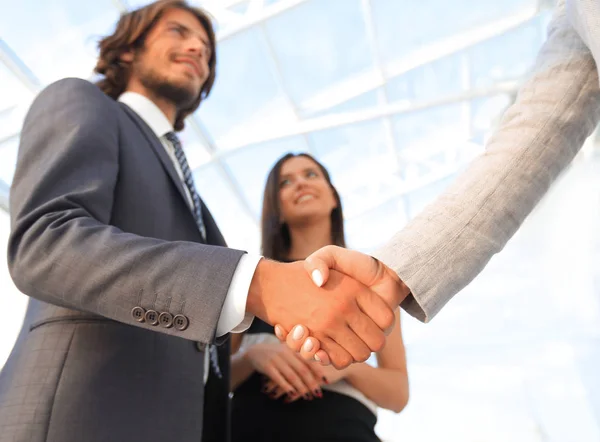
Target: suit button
166,320
138,314
201,346
152,317
181,322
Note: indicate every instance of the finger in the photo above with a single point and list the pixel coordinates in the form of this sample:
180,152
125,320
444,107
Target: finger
322,358
279,379
375,309
352,343
364,268
280,332
336,354
292,398
272,390
317,269
278,393
312,378
269,387
296,338
368,332
291,376
309,348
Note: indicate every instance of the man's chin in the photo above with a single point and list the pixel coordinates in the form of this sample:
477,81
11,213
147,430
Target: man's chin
182,93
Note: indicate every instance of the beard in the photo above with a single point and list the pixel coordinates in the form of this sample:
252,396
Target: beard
182,96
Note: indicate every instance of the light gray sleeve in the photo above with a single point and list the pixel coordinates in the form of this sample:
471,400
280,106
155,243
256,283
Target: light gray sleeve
451,241
62,249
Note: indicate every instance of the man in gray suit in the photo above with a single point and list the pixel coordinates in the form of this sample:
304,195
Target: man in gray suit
130,279
440,251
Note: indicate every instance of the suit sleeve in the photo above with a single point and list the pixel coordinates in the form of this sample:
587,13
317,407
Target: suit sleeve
62,249
451,241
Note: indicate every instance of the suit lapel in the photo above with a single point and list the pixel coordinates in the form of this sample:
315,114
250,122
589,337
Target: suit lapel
160,152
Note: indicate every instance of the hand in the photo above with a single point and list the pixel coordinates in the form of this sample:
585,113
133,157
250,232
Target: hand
365,269
275,392
286,369
330,376
346,317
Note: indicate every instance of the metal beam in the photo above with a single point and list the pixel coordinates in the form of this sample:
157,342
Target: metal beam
251,20
382,94
279,79
9,137
407,186
18,68
346,118
372,80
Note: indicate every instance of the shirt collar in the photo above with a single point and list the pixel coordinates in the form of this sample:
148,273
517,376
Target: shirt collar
148,111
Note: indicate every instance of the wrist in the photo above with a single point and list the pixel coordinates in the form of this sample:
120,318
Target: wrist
402,288
257,293
354,371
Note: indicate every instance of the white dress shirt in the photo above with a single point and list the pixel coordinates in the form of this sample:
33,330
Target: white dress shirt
233,317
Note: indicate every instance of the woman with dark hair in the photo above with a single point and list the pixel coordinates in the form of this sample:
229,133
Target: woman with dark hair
277,394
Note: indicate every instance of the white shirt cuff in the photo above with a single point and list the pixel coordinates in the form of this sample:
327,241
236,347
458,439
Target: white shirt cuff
234,318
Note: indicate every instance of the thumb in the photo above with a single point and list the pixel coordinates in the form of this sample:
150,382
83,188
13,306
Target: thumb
317,268
363,268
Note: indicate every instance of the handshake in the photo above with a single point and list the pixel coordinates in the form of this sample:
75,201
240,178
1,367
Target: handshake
335,307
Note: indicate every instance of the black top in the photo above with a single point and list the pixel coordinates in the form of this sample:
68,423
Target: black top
335,417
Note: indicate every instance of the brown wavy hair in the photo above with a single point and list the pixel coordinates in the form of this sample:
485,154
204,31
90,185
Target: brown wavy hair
131,32
275,235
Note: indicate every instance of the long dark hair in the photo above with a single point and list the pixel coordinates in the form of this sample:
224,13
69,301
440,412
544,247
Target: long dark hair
276,240
131,32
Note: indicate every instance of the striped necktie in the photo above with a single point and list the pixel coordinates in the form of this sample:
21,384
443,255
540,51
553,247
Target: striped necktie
188,179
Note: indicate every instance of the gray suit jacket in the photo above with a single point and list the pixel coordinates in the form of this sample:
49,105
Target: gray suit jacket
557,108
100,233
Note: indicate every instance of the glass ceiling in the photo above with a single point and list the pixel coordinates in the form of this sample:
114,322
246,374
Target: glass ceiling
392,102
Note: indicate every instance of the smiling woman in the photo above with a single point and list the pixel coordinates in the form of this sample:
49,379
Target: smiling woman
274,389
299,191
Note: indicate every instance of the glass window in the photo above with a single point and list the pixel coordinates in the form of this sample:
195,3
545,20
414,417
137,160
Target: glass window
59,39
246,99
319,44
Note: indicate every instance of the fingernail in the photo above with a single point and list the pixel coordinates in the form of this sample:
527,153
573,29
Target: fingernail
324,378
317,358
306,397
317,277
298,332
308,345
318,393
278,332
